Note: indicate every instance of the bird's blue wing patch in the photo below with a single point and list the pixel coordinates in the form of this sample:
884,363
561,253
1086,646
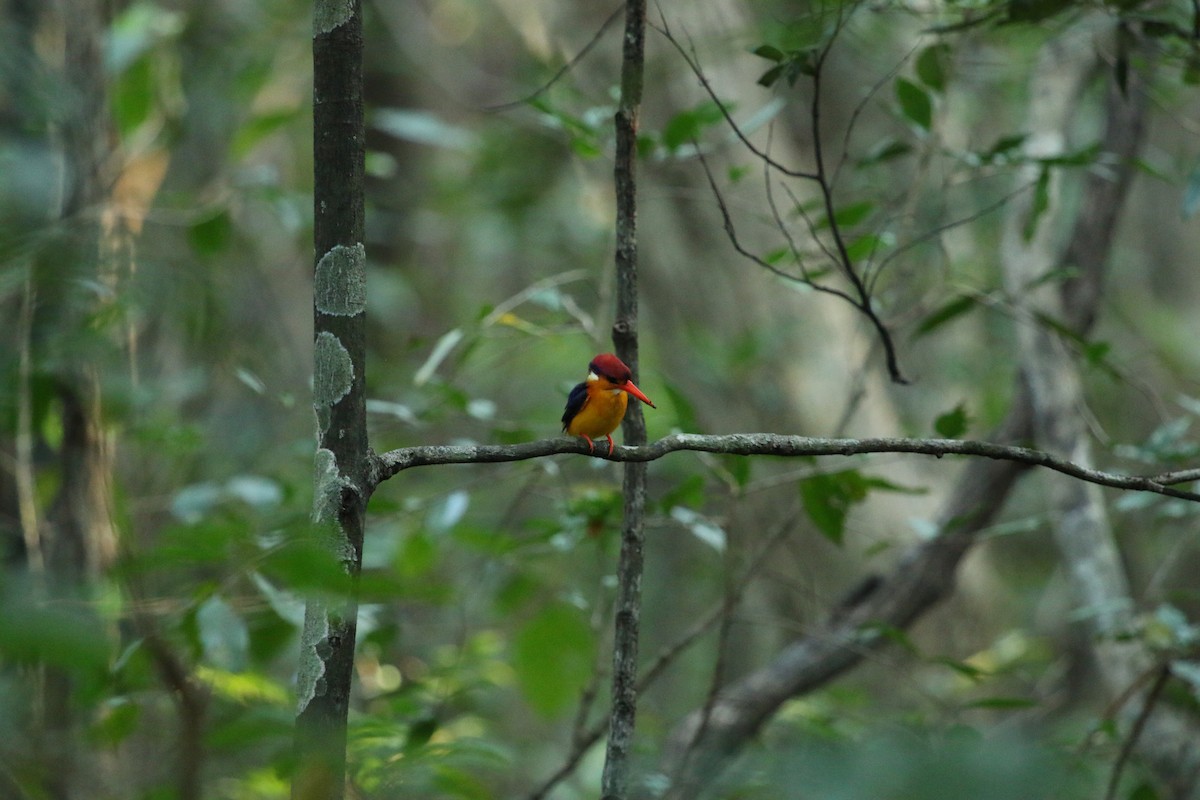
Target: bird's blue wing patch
575,402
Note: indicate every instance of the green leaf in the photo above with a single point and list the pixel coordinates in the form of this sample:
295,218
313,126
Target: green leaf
58,634
894,634
520,588
687,126
1003,147
1096,353
949,311
1144,791
769,78
116,719
259,128
828,498
768,52
685,413
1188,672
420,732
585,147
932,64
885,150
915,103
223,635
739,469
1035,10
953,423
212,235
1191,68
866,246
553,654
1083,157
884,485
692,491
961,667
1003,703
136,31
853,214
133,96
1041,202
417,556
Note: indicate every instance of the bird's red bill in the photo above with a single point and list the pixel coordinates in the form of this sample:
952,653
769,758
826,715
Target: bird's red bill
636,392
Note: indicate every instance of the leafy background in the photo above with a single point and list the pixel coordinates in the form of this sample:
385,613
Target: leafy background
487,589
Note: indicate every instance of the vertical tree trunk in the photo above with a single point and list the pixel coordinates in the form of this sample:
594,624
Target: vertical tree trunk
1083,531
625,337
340,477
80,541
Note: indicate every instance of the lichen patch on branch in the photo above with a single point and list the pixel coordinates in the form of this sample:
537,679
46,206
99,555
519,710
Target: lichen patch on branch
340,282
331,14
310,678
333,375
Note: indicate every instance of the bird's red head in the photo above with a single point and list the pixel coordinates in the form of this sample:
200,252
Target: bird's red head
613,370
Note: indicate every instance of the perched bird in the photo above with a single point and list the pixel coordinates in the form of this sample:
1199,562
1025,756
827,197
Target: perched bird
597,406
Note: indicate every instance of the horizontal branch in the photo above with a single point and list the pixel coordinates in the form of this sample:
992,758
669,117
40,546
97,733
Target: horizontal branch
763,444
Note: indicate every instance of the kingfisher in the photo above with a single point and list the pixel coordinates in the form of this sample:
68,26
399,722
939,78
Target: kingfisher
597,406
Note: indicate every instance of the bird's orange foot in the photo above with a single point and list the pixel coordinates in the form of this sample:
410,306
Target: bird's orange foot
591,444
610,444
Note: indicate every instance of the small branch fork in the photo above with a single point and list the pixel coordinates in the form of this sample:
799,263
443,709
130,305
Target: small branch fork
859,296
388,464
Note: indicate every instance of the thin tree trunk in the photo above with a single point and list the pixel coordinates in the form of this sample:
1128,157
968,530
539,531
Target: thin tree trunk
615,779
1082,529
341,469
696,753
80,541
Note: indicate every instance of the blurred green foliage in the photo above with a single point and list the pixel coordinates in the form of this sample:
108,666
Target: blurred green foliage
487,590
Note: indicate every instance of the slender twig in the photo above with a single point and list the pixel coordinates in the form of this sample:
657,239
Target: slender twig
933,233
782,227
564,69
862,298
864,304
693,64
731,232
852,123
717,682
191,699
1139,724
583,740
23,469
812,231
763,444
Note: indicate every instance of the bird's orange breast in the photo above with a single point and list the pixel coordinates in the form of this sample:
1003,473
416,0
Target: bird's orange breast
602,412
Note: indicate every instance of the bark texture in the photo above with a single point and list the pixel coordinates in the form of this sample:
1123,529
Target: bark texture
615,778
340,473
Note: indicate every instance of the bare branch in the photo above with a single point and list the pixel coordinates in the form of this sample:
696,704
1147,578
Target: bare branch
1135,732
731,232
694,65
764,444
864,304
1177,477
583,740
565,68
861,298
933,233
